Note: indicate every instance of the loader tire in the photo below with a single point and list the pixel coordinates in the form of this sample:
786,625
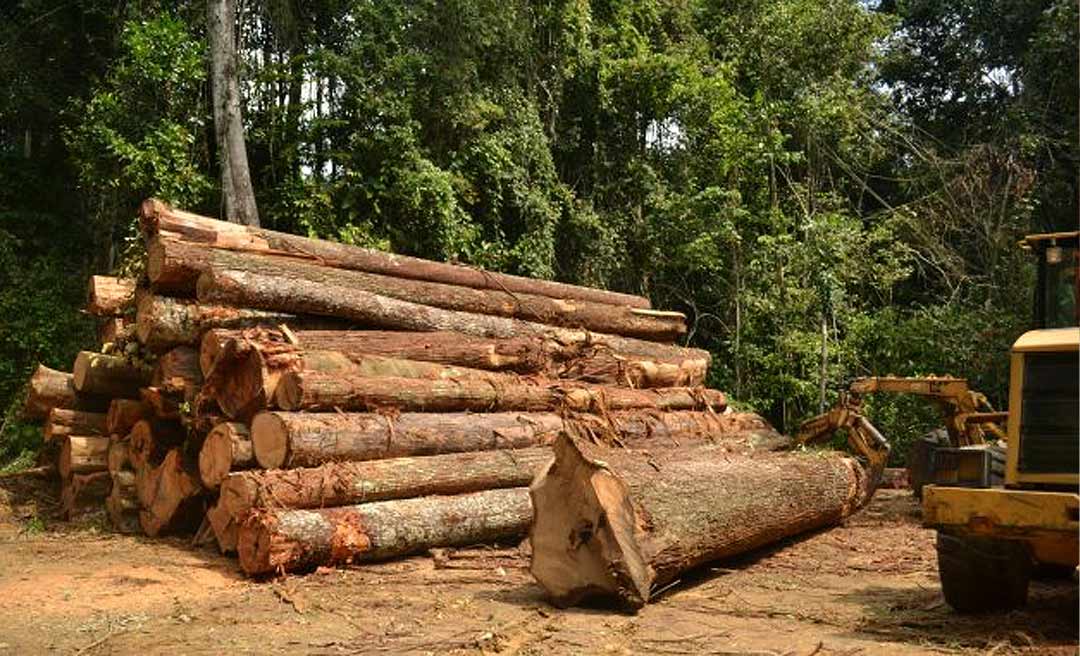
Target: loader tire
920,459
983,575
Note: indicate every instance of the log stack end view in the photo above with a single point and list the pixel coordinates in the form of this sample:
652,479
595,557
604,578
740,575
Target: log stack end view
309,403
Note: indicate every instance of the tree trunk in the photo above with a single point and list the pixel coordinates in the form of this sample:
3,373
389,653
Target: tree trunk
124,414
174,265
160,219
109,296
49,388
346,483
162,323
227,448
108,375
318,391
523,355
620,524
225,87
296,439
82,454
83,493
174,503
290,540
178,370
63,422
273,293
244,384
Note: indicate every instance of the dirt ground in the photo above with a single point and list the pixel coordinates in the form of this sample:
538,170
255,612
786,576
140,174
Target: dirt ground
868,587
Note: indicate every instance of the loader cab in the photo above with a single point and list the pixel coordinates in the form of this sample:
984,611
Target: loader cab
1057,287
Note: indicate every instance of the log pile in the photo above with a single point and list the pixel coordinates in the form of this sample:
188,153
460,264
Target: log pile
309,403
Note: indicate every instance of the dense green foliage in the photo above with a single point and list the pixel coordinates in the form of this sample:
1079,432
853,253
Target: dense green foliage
827,189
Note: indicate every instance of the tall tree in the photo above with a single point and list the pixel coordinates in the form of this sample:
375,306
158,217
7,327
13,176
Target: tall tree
236,185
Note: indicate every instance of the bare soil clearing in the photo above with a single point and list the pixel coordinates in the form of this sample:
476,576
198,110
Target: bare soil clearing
867,587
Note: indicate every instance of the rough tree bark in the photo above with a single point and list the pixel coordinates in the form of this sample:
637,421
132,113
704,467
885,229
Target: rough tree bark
244,379
62,422
108,296
524,355
49,388
227,448
162,323
229,128
122,504
174,265
347,483
620,524
108,375
296,439
318,391
290,540
274,293
159,219
112,330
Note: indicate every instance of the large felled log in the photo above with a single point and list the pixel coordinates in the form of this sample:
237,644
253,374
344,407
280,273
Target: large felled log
170,259
245,379
282,294
84,492
346,483
49,388
62,422
178,370
173,504
290,540
108,375
314,390
162,323
160,220
296,439
227,448
620,524
521,355
124,414
108,296
82,454
524,355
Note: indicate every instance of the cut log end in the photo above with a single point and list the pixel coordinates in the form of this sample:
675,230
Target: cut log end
227,447
600,557
270,439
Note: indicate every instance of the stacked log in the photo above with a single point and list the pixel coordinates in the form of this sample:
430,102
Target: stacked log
314,403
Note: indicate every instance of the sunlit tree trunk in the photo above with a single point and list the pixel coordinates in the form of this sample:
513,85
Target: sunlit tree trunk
235,176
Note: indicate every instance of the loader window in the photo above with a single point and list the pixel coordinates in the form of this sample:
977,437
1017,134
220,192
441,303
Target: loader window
1059,286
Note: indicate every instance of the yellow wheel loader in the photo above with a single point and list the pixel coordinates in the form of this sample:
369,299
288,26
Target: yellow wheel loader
991,538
